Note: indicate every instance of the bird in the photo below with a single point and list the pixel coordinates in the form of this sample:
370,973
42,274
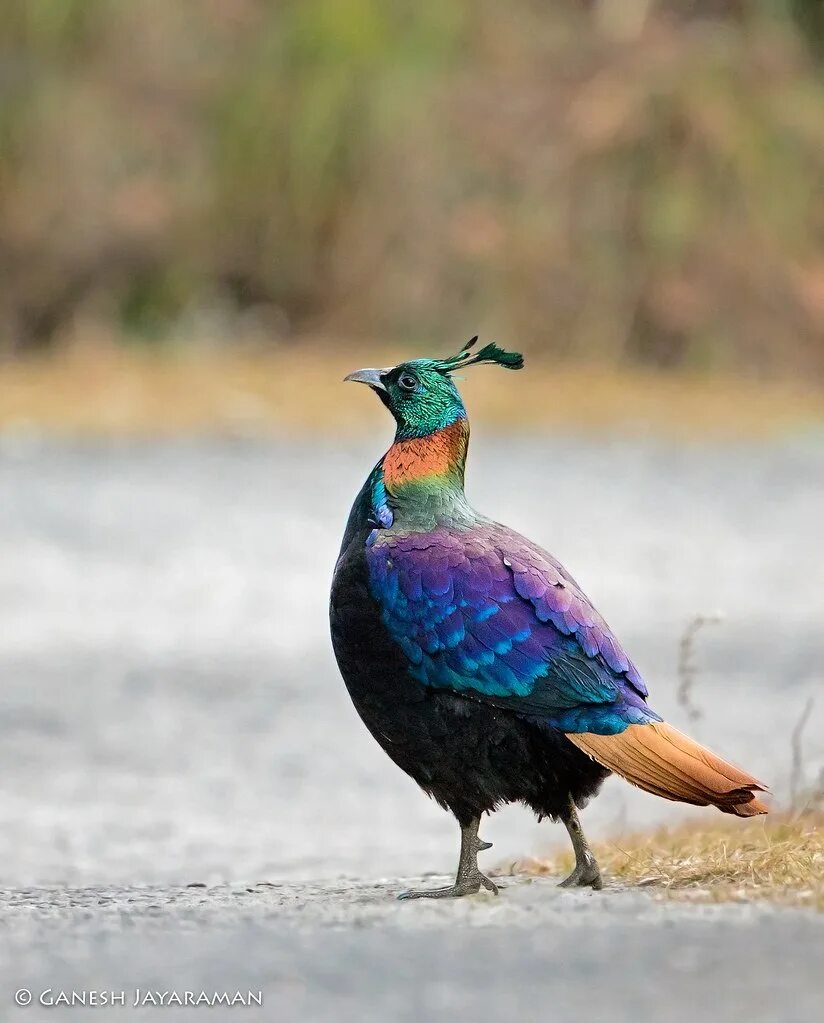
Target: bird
476,660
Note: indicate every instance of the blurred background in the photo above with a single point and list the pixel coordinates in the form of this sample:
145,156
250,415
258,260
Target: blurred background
210,210
631,185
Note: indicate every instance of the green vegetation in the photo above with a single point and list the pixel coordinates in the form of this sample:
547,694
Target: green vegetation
634,183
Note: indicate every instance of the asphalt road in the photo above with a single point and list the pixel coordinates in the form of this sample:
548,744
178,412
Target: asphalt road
170,714
347,951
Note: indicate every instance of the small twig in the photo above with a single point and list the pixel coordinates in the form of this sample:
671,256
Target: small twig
687,671
797,768
816,800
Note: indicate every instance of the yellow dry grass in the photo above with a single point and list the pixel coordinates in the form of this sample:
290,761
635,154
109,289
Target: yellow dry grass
779,858
110,391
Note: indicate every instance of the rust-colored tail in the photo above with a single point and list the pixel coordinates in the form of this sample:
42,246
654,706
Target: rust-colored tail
662,760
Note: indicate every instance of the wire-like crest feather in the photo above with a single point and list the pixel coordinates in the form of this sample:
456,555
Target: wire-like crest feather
490,353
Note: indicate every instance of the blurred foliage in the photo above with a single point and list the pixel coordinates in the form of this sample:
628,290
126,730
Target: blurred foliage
625,181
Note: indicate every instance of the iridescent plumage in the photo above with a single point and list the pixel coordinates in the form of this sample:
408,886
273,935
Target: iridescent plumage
475,658
479,610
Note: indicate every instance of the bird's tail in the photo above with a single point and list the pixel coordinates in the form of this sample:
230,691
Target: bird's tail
662,760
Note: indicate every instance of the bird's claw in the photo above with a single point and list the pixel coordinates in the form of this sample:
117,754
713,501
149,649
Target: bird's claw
456,891
585,875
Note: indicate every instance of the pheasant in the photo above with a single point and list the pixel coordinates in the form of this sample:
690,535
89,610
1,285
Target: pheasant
476,660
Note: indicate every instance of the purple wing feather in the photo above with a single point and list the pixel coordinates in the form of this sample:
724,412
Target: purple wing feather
484,611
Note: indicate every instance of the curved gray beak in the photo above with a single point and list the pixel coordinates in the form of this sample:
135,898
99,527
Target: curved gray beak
370,377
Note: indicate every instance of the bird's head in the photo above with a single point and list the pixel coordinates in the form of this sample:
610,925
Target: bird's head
422,395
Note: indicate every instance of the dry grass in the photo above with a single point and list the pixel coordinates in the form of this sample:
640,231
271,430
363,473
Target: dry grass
779,858
107,391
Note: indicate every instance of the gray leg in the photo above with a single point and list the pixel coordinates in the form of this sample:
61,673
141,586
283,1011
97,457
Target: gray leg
469,879
586,872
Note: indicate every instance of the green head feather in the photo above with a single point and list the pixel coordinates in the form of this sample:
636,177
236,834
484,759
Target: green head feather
421,394
490,353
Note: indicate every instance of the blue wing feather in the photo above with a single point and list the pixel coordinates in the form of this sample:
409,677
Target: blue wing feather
484,612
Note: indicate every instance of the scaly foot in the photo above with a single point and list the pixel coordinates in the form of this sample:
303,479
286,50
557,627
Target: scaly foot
585,875
455,891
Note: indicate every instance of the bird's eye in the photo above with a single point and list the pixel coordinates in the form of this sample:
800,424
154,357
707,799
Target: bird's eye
407,382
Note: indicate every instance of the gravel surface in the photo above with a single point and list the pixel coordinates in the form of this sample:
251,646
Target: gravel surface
171,714
349,951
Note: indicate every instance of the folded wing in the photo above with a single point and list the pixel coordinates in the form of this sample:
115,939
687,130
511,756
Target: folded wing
484,612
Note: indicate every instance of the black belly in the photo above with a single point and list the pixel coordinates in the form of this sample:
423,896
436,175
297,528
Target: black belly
468,755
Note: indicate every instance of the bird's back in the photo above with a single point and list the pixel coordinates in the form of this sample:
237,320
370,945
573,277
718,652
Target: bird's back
478,609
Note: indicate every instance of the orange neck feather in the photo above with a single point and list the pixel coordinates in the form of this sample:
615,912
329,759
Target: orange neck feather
439,454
